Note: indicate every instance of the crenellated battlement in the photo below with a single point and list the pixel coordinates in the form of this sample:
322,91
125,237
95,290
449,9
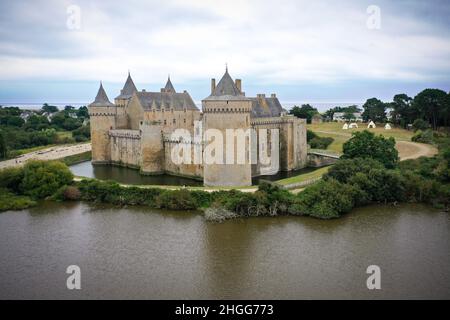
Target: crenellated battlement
125,133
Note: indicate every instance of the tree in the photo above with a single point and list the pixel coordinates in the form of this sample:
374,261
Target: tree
348,115
365,144
306,111
3,149
83,112
71,124
15,121
36,122
433,106
402,110
49,109
69,109
374,110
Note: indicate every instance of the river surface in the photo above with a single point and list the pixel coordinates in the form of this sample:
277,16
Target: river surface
136,252
132,176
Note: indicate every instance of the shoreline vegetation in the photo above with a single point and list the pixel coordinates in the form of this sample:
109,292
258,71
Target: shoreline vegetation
367,173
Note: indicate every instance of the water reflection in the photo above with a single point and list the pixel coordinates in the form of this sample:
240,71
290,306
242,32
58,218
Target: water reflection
133,176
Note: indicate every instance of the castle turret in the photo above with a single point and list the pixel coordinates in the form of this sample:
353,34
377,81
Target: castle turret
227,110
102,119
169,87
125,94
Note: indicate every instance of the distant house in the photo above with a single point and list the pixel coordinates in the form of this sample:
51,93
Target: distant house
317,118
340,117
26,114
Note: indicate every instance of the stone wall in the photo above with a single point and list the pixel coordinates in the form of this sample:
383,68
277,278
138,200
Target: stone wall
125,147
182,168
152,148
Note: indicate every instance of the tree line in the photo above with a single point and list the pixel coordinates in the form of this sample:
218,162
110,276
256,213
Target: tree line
431,106
21,129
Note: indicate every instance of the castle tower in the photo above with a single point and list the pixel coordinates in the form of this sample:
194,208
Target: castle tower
102,118
227,108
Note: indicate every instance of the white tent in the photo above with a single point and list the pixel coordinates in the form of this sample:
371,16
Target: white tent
345,127
387,126
353,125
371,125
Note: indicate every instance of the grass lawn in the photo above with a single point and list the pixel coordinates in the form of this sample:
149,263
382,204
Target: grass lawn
334,130
304,177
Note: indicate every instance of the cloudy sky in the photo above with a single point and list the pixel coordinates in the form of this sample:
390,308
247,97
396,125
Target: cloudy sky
305,51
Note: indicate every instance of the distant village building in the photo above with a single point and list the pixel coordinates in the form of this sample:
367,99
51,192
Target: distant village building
26,114
316,119
135,130
340,117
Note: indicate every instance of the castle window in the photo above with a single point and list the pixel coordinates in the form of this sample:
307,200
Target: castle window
165,122
171,110
184,120
174,121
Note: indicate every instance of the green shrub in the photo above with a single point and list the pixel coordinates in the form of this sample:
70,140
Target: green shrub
325,199
344,169
43,178
10,201
420,124
310,135
423,136
11,178
176,200
320,142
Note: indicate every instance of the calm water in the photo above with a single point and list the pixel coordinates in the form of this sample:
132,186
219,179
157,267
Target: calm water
132,176
142,253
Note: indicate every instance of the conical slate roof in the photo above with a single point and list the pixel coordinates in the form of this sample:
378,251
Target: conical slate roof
226,89
101,100
169,86
128,89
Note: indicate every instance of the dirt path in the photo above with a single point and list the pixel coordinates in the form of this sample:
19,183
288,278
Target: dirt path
412,150
51,153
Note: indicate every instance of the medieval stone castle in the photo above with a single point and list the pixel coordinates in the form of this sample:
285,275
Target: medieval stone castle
135,130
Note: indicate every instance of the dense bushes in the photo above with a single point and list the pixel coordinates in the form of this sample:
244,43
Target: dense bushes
43,178
82,133
10,201
36,180
325,199
317,142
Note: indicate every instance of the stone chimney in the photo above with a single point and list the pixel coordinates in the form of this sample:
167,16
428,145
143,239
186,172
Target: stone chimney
273,95
213,85
261,95
238,83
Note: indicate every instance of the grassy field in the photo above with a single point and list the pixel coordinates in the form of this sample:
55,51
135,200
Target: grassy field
304,177
334,130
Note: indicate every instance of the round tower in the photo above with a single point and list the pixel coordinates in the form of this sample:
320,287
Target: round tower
103,119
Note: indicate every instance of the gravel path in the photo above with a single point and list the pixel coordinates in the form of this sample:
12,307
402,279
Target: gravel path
52,153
